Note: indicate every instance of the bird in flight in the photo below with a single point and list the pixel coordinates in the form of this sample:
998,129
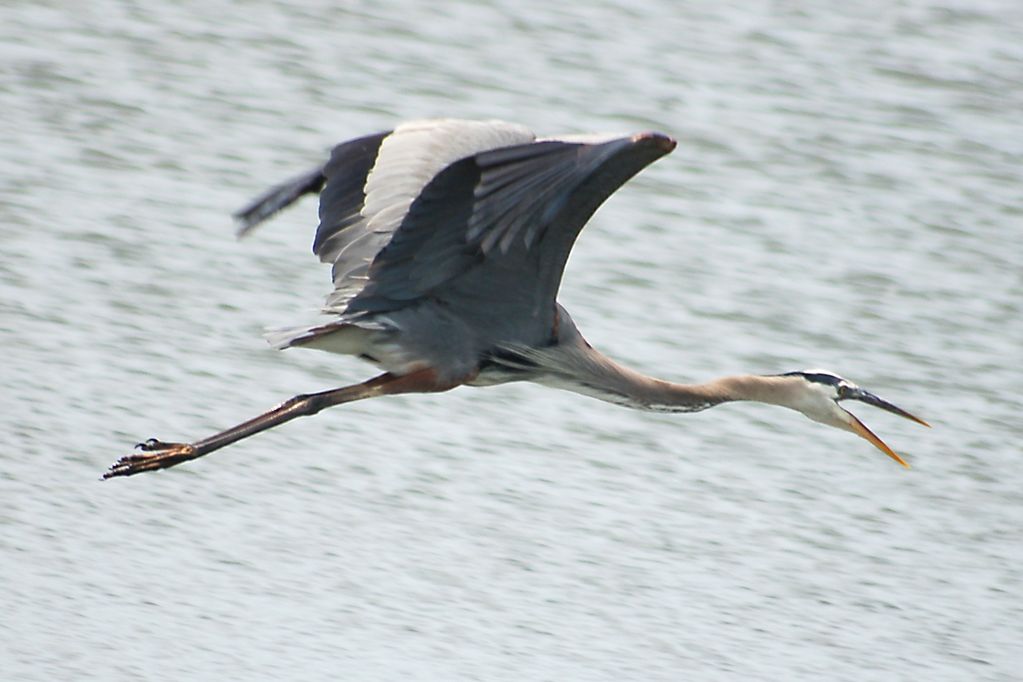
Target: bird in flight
447,241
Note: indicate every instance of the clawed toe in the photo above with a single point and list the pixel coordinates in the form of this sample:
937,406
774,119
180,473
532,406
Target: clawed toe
155,455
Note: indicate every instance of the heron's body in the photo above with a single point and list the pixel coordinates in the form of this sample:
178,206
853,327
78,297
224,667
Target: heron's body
467,226
448,240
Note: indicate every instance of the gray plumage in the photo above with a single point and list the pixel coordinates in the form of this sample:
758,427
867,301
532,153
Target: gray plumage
448,240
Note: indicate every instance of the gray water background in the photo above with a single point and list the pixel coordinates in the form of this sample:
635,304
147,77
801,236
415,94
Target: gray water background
846,193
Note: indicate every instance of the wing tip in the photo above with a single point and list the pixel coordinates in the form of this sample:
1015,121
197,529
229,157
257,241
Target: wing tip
276,199
665,143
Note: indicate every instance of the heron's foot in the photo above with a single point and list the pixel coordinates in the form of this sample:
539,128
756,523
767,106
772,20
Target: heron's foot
155,454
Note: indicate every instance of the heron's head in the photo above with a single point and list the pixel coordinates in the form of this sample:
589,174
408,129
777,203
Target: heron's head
819,396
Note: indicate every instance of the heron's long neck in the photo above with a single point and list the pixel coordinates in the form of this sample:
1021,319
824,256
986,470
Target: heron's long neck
598,376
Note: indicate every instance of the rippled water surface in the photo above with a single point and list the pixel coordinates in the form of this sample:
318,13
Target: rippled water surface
846,193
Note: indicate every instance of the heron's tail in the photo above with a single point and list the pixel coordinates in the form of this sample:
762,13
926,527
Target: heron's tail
286,337
336,336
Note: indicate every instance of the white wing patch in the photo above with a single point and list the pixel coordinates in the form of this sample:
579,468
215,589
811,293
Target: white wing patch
408,159
411,156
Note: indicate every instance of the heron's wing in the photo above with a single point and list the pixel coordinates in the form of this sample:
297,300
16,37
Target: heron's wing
371,184
350,163
479,216
492,232
277,198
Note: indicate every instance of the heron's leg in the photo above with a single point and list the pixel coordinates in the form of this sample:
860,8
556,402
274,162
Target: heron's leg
157,454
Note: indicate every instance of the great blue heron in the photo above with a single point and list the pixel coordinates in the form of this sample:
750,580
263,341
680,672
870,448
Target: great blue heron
448,240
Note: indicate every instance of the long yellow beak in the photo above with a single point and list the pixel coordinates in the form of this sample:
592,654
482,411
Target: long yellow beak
861,430
857,427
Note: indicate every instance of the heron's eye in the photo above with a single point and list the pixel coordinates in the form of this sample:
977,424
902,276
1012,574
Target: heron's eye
843,392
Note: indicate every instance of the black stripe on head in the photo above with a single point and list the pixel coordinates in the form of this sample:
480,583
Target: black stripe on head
844,389
818,377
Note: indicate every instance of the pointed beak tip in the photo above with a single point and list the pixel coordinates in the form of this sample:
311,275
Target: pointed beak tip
871,399
894,455
860,429
916,419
